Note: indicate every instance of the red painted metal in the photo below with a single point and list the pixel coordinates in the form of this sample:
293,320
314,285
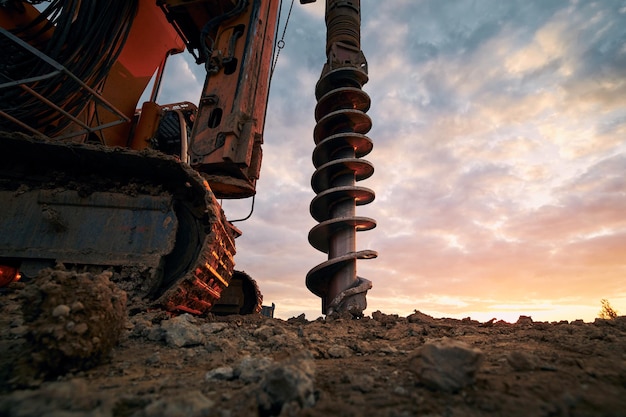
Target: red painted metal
228,133
8,274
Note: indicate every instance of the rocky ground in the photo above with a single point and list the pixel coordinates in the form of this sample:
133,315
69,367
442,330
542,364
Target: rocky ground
62,357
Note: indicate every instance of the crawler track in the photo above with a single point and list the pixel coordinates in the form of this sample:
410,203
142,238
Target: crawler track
111,207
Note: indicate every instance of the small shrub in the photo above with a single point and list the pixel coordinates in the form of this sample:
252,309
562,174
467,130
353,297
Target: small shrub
607,312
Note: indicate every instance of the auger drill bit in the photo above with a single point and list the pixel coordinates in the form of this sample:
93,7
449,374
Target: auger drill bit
340,143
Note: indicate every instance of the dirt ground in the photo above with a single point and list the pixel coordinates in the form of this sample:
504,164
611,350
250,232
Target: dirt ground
380,365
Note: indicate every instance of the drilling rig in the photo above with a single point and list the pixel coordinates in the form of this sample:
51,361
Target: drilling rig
340,143
90,180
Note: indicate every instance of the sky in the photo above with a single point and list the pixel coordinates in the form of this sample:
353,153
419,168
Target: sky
499,132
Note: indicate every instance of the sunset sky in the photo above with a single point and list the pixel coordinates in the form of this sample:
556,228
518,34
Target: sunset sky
500,154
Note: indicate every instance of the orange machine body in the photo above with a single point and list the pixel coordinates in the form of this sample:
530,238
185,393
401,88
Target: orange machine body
152,38
227,134
228,131
220,138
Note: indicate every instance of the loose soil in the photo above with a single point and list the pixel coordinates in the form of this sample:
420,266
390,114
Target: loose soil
233,366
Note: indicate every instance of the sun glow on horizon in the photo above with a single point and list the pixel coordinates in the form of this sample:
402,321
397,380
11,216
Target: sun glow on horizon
499,157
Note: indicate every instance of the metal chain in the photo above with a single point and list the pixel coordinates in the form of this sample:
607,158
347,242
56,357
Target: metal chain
281,43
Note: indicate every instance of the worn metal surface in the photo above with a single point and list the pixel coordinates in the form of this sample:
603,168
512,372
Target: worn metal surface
104,206
340,144
226,140
103,228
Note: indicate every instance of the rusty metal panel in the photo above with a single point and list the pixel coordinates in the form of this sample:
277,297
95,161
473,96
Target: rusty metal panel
228,131
103,228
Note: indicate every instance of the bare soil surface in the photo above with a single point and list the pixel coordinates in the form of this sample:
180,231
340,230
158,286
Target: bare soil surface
380,365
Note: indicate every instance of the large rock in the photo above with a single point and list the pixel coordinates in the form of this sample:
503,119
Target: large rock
182,331
287,385
446,364
251,369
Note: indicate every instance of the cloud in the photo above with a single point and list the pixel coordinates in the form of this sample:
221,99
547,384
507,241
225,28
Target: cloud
499,153
185,80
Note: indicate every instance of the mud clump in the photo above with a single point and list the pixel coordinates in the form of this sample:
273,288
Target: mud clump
73,319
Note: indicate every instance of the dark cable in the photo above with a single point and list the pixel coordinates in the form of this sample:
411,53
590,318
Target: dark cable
281,43
87,40
249,214
207,50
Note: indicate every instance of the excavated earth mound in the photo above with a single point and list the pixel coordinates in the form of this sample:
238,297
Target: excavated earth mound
383,365
70,321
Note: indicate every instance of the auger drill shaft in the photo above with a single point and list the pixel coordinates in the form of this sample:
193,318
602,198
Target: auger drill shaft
340,143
